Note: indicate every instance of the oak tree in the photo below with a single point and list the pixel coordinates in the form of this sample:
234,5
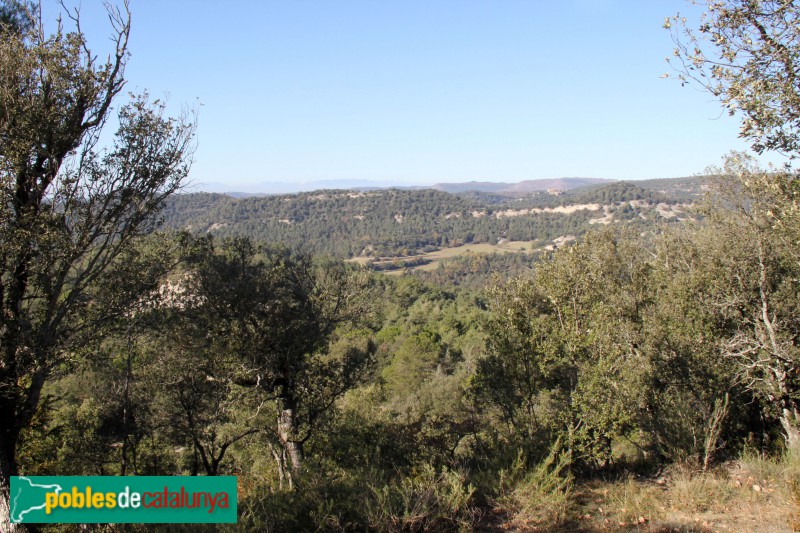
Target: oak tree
70,207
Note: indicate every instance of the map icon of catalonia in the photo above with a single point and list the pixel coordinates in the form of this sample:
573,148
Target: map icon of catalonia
27,497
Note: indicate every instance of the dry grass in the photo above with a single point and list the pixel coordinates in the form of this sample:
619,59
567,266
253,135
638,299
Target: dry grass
751,495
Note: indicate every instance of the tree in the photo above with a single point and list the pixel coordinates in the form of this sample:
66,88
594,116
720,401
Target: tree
523,359
747,54
70,209
755,293
754,70
564,358
276,314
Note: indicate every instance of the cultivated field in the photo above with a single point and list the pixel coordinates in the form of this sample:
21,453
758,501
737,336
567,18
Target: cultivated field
433,258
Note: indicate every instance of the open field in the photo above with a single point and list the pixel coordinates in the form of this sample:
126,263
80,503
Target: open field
446,253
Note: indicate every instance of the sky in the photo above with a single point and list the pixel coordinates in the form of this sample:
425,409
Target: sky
422,91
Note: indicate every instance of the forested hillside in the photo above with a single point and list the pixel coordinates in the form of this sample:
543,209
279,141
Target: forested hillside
387,223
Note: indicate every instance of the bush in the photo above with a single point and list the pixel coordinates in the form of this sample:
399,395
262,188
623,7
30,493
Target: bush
426,501
540,496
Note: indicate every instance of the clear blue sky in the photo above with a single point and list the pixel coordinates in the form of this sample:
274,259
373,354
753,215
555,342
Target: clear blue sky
424,91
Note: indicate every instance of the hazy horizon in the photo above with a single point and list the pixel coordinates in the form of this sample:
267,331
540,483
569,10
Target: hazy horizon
287,187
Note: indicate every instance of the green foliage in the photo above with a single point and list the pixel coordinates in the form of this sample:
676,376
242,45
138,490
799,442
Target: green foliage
330,502
563,347
753,253
339,223
413,361
265,325
622,191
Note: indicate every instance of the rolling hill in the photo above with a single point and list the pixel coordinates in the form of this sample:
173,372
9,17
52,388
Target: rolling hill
393,223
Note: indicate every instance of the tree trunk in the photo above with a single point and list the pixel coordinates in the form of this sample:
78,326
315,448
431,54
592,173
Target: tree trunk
790,421
287,431
5,513
8,468
126,406
790,418
281,468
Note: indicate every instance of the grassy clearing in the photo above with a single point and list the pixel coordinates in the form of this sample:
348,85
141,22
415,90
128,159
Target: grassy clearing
455,251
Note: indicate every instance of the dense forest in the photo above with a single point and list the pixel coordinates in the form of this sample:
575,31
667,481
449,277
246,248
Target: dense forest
640,376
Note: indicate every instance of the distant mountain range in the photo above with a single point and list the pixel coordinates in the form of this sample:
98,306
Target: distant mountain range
274,187
522,187
285,187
